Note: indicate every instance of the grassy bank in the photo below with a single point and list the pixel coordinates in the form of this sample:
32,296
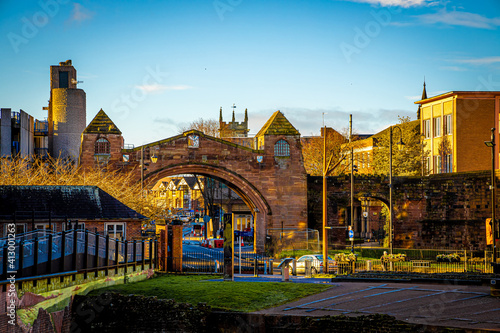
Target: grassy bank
232,296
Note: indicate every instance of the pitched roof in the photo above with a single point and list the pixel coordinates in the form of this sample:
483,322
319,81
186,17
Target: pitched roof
277,125
72,202
102,124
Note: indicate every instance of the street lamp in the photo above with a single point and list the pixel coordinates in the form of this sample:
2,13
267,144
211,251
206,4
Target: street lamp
154,159
400,145
493,197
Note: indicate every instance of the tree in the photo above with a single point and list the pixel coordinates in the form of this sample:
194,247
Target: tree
408,160
444,151
312,151
208,127
23,171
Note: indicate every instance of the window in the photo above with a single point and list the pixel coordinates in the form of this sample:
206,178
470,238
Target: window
367,159
447,124
281,148
436,124
437,164
448,163
63,79
20,228
427,165
102,147
45,227
115,230
427,128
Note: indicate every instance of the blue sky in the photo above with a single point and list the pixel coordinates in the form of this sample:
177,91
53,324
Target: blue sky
155,66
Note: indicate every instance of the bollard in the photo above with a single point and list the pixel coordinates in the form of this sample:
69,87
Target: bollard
265,267
271,267
285,274
294,267
256,267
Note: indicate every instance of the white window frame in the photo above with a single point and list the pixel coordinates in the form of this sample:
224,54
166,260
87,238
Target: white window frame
427,128
436,126
24,225
437,164
448,163
124,229
448,127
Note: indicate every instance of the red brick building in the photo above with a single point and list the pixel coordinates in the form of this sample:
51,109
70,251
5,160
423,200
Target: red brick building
59,208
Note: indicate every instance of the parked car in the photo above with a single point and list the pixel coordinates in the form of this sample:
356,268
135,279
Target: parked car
317,263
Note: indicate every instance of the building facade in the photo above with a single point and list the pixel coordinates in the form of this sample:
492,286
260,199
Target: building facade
454,127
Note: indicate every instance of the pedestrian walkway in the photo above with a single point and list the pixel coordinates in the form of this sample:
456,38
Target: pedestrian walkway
448,305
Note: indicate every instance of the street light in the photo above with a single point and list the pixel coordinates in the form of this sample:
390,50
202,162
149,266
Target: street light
493,197
154,159
400,145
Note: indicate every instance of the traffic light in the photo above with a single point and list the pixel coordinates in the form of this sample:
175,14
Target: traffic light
355,168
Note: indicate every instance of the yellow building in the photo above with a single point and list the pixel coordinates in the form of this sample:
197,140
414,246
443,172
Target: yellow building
454,127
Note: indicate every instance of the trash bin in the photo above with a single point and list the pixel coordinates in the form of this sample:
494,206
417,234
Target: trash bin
308,268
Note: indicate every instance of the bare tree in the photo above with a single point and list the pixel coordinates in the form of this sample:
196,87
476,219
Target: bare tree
207,126
312,151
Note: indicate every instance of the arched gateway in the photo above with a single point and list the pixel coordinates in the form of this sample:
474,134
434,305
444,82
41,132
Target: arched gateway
269,175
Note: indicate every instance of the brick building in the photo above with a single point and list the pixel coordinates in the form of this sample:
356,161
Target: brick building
101,141
454,127
58,208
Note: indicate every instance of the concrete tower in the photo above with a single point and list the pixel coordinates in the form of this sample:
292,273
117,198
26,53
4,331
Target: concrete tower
67,112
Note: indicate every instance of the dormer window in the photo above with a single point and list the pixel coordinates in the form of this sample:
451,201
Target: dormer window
281,149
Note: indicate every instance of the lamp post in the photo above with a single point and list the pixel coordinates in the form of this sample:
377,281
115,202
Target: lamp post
154,159
493,196
400,144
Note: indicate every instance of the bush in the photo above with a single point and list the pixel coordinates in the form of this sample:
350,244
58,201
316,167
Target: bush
453,257
345,257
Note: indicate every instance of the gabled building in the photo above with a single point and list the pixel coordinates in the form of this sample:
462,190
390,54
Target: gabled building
277,133
58,208
101,141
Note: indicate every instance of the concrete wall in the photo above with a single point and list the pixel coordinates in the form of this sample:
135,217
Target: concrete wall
6,133
67,120
27,143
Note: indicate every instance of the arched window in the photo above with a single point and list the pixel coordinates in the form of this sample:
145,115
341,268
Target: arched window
281,148
102,147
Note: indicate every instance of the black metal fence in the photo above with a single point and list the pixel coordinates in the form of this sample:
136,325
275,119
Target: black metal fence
213,262
44,253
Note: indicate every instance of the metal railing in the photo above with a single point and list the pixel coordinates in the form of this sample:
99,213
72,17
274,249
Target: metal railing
213,262
42,253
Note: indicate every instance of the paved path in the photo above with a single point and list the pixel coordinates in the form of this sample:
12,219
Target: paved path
469,307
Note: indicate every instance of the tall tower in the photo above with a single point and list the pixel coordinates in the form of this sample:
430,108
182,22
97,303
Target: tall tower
67,112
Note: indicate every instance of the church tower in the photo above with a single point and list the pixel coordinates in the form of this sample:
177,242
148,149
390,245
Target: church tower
233,129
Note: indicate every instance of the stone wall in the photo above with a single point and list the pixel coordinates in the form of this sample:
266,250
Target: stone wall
149,314
445,210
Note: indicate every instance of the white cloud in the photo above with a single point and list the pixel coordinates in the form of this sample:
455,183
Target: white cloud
80,13
460,18
156,88
480,61
397,3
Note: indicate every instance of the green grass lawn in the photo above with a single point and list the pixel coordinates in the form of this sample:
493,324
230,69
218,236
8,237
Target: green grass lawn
233,296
